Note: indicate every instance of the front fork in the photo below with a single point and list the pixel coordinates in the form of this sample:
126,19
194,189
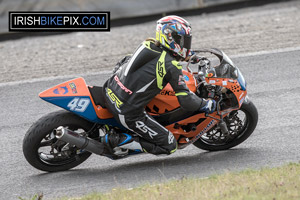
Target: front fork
222,124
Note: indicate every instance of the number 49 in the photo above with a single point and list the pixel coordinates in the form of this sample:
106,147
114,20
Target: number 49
79,104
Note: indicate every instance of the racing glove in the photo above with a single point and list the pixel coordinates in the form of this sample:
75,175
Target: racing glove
209,107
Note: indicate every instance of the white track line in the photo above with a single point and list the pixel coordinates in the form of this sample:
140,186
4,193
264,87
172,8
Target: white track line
51,78
283,50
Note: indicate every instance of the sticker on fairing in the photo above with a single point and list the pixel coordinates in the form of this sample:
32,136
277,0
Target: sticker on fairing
186,78
79,104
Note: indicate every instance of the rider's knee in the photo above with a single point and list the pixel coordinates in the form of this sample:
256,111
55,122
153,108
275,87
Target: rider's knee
172,147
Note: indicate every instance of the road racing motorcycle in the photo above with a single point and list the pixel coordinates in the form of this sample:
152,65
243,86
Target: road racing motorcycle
64,139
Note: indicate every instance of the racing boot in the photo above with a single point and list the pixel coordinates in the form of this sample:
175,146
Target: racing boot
121,144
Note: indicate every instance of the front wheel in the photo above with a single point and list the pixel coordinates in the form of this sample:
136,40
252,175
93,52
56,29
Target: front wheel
44,152
240,124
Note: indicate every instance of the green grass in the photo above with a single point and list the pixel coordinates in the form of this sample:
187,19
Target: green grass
35,197
268,183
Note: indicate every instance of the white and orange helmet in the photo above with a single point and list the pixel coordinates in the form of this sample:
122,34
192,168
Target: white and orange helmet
175,33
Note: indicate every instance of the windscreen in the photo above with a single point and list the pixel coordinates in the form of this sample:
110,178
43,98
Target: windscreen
223,66
227,69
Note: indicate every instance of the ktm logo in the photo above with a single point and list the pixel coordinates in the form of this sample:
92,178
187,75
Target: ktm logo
167,92
160,69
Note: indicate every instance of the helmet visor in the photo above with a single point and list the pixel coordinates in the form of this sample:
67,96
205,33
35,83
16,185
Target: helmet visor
187,41
184,41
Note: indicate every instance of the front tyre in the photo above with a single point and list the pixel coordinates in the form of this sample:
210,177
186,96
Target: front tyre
240,124
43,151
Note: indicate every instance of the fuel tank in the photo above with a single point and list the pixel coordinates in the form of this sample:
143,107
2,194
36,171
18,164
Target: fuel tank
166,100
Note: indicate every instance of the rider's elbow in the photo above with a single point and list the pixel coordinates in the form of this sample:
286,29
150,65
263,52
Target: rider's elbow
190,102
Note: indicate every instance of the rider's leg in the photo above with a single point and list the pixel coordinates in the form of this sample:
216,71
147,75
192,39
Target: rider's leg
155,138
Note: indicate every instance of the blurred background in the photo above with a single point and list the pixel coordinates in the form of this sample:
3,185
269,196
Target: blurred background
235,26
118,9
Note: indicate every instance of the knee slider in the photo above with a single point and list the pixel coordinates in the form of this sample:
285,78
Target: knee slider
172,147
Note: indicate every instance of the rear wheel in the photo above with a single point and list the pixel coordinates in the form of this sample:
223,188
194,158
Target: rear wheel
44,152
240,124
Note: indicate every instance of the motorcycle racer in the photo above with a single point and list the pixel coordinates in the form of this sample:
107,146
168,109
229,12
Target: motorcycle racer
139,78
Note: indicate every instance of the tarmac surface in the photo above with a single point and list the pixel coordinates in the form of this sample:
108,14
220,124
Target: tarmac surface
273,86
266,49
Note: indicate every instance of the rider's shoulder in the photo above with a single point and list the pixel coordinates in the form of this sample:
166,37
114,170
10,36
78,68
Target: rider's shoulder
177,64
172,61
151,45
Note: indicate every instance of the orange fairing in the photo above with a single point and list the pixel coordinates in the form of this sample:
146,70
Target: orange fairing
166,100
75,87
207,124
103,113
230,84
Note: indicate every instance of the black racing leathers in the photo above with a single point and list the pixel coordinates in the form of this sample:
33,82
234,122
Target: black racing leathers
136,83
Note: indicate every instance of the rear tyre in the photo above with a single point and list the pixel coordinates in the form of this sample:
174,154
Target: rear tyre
43,151
241,125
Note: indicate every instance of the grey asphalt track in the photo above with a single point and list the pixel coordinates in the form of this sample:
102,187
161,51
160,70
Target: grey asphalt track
273,85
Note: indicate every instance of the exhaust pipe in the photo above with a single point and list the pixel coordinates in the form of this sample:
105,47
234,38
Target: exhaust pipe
79,141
